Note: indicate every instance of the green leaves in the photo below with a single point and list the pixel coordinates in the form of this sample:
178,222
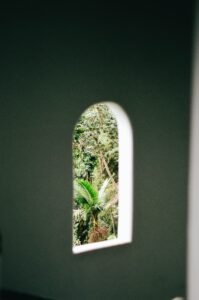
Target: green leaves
95,132
95,172
85,193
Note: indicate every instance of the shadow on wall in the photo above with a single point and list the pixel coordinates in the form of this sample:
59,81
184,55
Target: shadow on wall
7,295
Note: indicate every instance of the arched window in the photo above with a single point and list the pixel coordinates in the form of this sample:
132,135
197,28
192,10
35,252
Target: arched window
102,178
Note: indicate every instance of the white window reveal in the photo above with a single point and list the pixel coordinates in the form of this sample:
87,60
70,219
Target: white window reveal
102,178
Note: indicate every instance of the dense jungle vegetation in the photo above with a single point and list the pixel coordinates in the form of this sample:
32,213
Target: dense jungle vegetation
95,172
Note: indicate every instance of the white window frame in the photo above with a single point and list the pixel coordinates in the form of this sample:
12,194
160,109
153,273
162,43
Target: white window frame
125,184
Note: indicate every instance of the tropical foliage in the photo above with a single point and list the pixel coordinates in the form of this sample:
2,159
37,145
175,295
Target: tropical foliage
95,171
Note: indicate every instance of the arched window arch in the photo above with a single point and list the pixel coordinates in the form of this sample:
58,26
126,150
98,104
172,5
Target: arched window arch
102,178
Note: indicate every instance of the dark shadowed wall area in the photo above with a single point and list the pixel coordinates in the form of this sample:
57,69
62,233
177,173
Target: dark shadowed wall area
55,62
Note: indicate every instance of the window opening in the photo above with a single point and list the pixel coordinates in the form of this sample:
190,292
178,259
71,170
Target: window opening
102,178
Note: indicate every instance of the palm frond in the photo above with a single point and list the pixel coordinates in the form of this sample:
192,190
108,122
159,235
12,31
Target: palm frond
102,190
85,193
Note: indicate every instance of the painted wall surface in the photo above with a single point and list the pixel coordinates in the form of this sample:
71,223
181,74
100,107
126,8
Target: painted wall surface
193,215
52,68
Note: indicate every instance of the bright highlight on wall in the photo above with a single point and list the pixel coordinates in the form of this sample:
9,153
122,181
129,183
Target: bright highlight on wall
102,178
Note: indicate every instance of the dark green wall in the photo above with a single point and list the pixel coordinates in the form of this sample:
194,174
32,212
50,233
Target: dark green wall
52,68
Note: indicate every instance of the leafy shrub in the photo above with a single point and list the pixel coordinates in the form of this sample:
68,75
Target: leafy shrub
95,171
